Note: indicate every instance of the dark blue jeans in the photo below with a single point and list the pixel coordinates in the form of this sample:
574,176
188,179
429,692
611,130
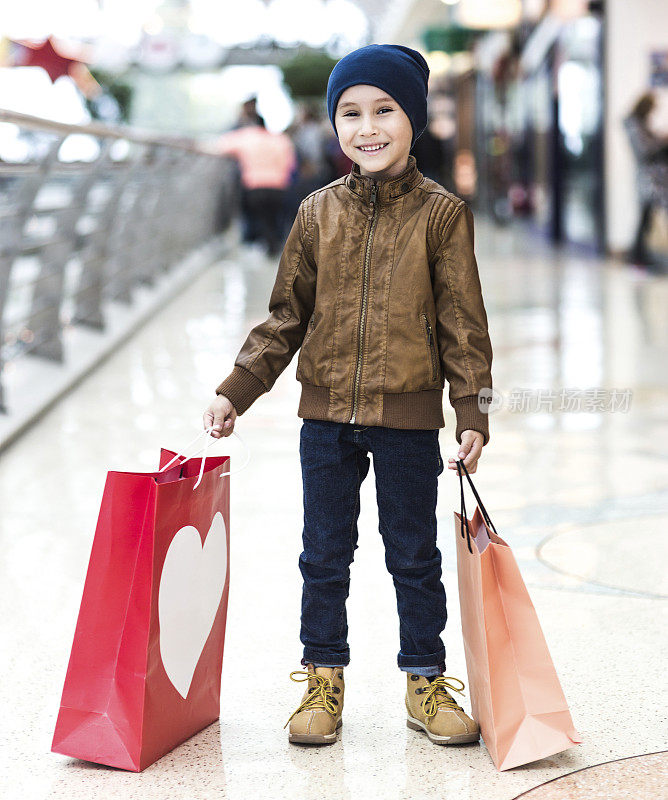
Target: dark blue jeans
407,463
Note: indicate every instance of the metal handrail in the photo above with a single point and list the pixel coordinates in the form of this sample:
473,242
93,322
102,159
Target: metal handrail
119,220
105,131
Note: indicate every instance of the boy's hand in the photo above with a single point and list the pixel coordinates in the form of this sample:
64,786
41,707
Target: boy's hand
469,451
221,414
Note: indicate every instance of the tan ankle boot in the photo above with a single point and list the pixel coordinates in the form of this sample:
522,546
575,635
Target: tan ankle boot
433,710
318,717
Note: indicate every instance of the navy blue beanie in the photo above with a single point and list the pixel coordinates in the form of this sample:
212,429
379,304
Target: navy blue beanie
398,70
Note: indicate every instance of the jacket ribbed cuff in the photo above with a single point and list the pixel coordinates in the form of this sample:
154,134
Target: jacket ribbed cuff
470,417
241,388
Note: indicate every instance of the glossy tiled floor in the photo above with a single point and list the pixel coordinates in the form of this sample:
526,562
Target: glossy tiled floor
581,496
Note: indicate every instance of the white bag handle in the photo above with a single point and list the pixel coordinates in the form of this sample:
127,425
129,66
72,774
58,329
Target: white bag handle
207,432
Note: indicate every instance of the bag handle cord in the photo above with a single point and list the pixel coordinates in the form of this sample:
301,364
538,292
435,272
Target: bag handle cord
207,432
483,510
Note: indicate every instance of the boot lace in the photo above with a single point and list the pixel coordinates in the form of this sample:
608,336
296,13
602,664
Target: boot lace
438,695
320,696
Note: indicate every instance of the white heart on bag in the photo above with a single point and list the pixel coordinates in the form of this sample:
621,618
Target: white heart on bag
191,587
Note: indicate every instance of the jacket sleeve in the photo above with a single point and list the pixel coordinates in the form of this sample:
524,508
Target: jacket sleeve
270,346
461,327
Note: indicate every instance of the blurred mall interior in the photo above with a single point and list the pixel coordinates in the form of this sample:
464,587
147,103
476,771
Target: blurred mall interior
136,254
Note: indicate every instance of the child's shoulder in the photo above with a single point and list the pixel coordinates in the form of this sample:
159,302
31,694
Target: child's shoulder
314,194
446,206
309,204
430,186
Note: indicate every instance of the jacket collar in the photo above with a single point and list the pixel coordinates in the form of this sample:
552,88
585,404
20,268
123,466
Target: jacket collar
388,189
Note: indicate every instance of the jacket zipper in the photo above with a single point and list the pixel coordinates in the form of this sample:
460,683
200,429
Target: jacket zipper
432,349
367,254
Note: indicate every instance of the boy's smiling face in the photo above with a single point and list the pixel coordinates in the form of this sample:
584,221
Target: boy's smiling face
367,116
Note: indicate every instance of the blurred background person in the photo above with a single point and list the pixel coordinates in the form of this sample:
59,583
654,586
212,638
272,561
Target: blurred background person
651,154
309,138
428,152
338,162
267,161
248,114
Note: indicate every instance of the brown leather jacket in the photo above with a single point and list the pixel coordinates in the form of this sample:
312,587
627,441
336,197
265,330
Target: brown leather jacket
378,284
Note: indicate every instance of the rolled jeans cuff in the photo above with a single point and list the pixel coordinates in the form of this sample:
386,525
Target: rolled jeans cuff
428,660
320,659
426,672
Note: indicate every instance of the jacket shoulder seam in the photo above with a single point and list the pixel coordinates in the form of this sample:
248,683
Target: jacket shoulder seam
452,217
436,188
441,217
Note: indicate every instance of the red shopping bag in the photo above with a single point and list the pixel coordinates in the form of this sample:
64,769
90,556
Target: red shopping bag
145,667
516,697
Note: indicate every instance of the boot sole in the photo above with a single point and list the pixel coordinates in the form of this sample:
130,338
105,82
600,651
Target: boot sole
315,738
459,738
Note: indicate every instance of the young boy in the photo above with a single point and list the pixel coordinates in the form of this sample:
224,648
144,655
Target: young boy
378,285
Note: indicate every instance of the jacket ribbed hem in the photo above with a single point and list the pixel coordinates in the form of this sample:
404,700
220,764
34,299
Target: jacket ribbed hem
241,388
413,409
470,417
314,402
407,410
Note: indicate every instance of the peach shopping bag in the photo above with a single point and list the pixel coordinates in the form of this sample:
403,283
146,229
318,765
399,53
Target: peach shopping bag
516,697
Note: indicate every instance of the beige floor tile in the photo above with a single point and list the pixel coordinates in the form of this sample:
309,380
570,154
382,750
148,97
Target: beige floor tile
642,778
